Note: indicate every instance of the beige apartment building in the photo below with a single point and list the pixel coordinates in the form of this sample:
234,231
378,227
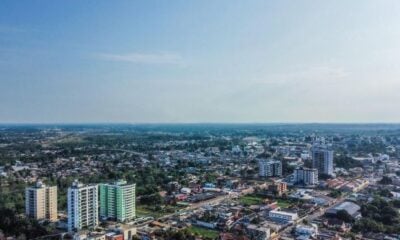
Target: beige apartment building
41,202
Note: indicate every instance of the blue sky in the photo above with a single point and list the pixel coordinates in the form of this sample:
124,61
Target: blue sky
199,61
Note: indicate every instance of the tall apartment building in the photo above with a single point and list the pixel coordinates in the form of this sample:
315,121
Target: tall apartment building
269,168
306,176
82,206
117,201
322,159
41,202
277,188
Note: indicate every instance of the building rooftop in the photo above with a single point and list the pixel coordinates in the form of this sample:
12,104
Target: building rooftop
283,212
349,207
77,184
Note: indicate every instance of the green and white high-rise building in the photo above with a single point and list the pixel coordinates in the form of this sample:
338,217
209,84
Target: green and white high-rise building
117,201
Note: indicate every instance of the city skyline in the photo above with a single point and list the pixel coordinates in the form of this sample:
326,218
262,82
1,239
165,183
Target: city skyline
199,62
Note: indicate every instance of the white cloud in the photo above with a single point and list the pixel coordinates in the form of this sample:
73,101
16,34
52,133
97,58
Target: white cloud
143,58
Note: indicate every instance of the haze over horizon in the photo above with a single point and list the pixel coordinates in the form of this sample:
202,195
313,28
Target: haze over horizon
199,61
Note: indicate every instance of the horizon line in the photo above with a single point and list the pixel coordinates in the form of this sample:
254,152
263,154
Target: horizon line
194,123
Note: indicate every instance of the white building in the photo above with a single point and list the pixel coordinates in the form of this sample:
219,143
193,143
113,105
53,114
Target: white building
303,230
322,159
186,190
270,168
305,176
82,206
282,215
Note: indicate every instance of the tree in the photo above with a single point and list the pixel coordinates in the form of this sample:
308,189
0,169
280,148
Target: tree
385,180
385,193
368,225
12,224
344,216
335,193
343,161
324,176
286,168
378,216
396,203
152,199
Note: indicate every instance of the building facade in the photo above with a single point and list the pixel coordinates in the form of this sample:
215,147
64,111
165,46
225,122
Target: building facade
82,206
117,201
282,215
41,202
258,232
322,159
270,168
306,176
278,188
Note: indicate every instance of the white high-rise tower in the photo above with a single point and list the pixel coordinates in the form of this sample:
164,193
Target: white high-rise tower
82,206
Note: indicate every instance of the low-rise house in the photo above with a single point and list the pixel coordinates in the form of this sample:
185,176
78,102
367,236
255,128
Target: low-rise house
355,185
309,231
258,232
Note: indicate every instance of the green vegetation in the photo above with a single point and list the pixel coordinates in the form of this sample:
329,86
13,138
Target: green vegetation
396,203
343,161
251,200
324,176
12,196
286,168
344,216
385,180
176,235
152,199
254,199
282,203
203,232
335,193
13,224
155,211
365,147
147,211
379,216
385,193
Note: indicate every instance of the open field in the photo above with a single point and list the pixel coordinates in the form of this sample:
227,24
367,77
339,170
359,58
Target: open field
147,211
204,232
251,200
284,203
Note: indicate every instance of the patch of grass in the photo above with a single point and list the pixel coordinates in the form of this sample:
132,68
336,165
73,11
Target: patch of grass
204,232
284,203
251,200
146,211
